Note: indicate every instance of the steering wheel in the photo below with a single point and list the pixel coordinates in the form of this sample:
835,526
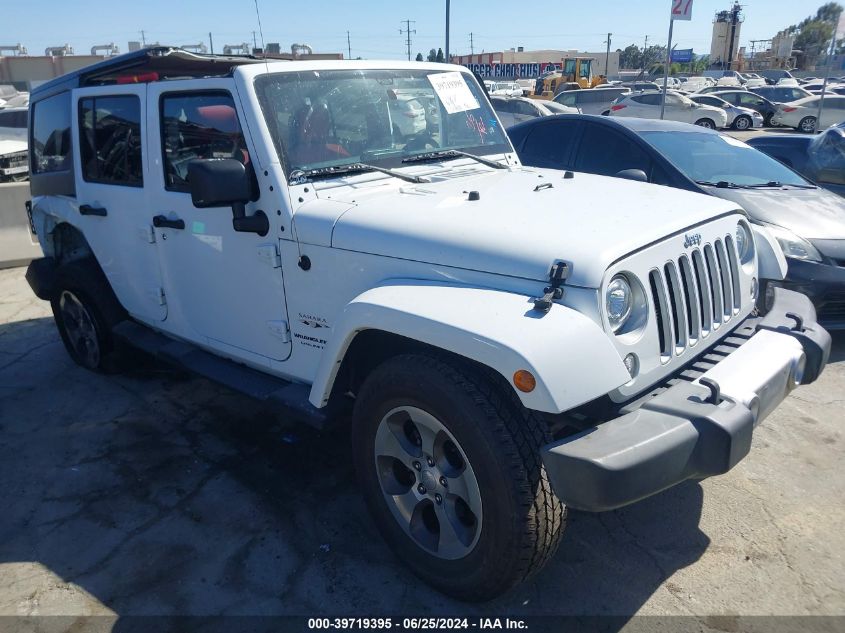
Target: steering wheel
421,141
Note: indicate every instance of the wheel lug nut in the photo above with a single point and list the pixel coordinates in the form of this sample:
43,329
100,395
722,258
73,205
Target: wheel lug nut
443,482
421,489
438,498
417,466
430,461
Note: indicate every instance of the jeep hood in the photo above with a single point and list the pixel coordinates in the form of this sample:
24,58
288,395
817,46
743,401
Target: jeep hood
522,222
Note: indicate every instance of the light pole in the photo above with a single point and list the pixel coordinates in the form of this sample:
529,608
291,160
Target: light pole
448,59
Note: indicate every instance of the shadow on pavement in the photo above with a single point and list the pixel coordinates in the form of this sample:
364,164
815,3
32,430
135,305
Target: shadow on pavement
163,494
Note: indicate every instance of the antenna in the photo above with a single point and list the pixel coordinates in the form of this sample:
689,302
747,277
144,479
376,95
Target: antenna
261,33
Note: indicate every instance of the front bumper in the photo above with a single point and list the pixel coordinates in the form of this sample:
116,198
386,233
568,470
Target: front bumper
693,429
823,283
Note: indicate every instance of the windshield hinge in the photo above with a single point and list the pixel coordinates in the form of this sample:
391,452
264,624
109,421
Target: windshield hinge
557,276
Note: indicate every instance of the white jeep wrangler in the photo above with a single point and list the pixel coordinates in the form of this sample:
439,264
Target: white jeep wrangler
509,342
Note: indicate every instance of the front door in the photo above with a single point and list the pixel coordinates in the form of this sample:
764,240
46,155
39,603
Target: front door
224,289
112,190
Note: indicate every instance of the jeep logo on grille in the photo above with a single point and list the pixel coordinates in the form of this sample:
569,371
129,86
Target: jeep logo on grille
692,240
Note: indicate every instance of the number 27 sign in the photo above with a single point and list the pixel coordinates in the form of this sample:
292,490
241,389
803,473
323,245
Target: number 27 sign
682,9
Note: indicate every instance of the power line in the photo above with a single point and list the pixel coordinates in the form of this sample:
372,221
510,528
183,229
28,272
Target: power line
408,33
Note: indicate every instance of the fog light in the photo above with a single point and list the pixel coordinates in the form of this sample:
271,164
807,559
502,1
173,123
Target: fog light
632,364
524,381
755,288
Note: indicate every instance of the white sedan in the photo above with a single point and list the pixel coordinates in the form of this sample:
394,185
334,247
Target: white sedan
803,114
513,110
739,118
646,105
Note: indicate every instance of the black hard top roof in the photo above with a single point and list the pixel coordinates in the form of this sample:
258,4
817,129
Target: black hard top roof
167,61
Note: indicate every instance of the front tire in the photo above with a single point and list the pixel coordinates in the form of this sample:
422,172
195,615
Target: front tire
807,125
85,310
449,463
743,122
706,123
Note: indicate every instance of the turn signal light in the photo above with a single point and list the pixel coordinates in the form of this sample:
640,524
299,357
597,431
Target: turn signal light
524,381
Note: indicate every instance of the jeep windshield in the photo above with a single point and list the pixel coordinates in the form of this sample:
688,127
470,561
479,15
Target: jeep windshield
324,119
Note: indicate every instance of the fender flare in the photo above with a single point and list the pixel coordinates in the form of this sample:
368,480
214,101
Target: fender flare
571,357
771,262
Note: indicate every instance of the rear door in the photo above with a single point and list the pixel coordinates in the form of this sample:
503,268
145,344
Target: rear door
551,143
606,152
833,111
112,189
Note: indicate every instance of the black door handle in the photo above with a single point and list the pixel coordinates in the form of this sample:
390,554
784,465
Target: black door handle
87,209
161,222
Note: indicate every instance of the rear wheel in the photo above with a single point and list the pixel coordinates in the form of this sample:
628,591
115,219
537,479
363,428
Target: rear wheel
807,125
708,123
85,310
449,464
743,122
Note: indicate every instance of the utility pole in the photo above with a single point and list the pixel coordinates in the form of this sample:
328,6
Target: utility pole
348,45
408,32
448,58
254,43
143,39
607,55
827,71
471,45
645,46
210,43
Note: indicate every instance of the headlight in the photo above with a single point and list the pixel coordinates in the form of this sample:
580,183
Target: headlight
794,246
743,241
618,301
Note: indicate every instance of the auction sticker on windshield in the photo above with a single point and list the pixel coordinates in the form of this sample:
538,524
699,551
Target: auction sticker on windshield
453,92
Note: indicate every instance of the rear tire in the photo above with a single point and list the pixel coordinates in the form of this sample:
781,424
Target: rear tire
743,122
706,123
420,421
807,125
85,310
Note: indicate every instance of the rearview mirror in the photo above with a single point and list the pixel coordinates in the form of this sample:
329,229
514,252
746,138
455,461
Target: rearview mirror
221,182
633,174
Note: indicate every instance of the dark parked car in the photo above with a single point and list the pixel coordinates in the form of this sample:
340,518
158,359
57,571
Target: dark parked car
748,99
782,94
821,158
807,221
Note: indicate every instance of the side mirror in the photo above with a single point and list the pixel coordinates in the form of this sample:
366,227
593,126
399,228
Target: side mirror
223,182
633,174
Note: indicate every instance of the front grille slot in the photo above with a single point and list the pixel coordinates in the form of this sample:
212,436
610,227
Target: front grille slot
692,298
661,311
733,258
705,300
715,283
725,277
676,306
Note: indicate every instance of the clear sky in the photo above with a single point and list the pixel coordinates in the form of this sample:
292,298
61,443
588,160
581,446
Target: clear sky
374,24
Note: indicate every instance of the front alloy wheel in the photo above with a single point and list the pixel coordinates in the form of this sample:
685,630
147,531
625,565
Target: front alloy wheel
706,123
807,124
427,482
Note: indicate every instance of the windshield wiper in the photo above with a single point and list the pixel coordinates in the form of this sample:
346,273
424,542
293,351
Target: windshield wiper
722,184
337,170
777,183
453,153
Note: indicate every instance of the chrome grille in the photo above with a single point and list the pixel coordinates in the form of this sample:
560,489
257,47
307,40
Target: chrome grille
694,295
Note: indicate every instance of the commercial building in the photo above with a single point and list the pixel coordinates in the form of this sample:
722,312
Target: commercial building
517,62
724,45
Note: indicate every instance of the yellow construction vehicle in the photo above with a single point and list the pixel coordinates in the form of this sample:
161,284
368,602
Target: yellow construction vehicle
576,70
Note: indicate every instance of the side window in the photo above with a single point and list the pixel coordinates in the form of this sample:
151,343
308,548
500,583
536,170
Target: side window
750,100
110,140
502,105
51,134
568,99
198,125
525,108
15,119
606,152
648,99
550,144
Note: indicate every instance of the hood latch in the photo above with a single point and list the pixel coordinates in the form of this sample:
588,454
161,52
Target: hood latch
557,277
